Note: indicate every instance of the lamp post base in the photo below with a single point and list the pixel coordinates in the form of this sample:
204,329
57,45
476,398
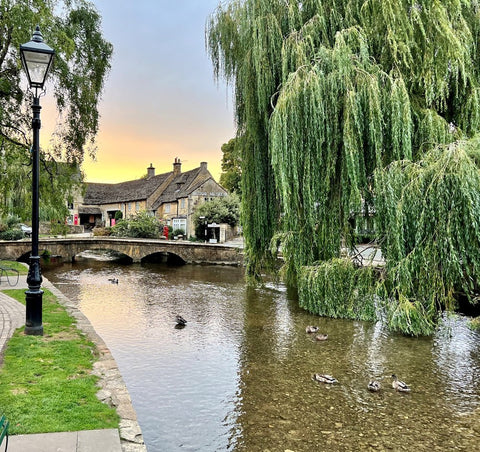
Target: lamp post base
33,321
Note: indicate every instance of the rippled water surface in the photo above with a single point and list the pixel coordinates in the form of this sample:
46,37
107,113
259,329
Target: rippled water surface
238,376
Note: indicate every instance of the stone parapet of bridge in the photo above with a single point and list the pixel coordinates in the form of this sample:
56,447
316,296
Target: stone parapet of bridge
136,249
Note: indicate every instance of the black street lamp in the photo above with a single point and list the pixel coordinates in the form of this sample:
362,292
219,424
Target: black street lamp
37,58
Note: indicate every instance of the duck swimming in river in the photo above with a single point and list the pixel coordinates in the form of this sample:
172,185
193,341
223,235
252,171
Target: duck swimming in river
180,320
321,337
374,386
311,329
324,378
399,385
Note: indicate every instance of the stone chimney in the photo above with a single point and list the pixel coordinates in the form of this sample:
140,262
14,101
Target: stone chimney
150,171
203,166
177,167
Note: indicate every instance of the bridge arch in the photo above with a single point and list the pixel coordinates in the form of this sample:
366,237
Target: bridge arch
165,257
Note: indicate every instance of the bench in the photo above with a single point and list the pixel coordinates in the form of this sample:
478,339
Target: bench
4,431
7,272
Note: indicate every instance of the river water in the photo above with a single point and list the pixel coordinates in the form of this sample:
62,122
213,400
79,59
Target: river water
238,377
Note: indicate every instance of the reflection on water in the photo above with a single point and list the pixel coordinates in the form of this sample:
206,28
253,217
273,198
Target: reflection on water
238,376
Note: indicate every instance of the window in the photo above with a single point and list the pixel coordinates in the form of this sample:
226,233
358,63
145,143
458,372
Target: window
167,208
180,223
182,203
137,206
129,206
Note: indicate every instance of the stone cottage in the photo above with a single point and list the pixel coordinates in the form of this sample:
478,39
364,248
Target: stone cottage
171,197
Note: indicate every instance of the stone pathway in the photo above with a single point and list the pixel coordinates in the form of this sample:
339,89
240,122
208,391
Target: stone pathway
12,316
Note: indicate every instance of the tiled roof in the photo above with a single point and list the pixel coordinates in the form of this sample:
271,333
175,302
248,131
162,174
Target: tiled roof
180,187
124,191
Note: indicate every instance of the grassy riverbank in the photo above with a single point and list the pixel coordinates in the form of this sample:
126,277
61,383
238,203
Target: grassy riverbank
45,381
18,266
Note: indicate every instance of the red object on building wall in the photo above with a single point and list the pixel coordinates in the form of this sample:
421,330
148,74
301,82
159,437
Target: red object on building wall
165,231
75,220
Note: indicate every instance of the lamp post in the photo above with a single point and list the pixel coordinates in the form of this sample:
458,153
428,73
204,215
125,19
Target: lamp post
36,58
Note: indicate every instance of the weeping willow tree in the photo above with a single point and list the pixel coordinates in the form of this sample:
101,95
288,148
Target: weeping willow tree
327,93
429,213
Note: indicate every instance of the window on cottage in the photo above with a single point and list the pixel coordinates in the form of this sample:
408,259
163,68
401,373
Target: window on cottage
129,206
180,223
182,203
137,206
70,205
167,208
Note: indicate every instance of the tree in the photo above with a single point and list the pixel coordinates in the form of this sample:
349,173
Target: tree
224,209
231,167
82,60
328,92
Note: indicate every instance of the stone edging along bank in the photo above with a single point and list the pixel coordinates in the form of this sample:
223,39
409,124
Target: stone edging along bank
113,390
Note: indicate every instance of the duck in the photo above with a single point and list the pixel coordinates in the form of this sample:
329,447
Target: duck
180,320
374,386
321,337
113,280
311,329
399,385
323,378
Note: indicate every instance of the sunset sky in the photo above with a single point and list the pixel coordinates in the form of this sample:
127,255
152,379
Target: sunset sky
160,99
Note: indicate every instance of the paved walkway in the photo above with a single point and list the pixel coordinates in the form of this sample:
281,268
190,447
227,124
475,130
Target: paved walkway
84,441
12,316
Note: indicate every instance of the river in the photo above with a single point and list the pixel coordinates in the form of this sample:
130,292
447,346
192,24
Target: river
238,377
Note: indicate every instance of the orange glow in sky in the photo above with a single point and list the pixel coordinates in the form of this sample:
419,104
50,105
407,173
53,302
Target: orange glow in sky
160,100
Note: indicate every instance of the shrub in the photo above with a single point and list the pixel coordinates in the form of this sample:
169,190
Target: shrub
142,225
58,228
474,324
178,232
102,232
11,234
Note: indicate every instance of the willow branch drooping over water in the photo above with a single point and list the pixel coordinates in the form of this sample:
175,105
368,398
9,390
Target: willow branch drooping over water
328,92
429,214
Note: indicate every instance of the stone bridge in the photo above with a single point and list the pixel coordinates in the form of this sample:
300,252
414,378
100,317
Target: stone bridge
135,249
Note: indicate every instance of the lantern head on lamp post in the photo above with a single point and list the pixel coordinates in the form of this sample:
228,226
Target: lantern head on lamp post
37,59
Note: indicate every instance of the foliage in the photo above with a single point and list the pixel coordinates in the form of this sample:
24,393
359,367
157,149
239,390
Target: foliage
46,381
16,266
474,324
141,225
429,216
223,209
11,234
337,289
82,60
178,232
58,184
231,167
58,228
327,92
118,215
102,232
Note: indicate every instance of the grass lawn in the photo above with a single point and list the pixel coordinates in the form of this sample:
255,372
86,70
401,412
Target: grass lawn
45,381
22,270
